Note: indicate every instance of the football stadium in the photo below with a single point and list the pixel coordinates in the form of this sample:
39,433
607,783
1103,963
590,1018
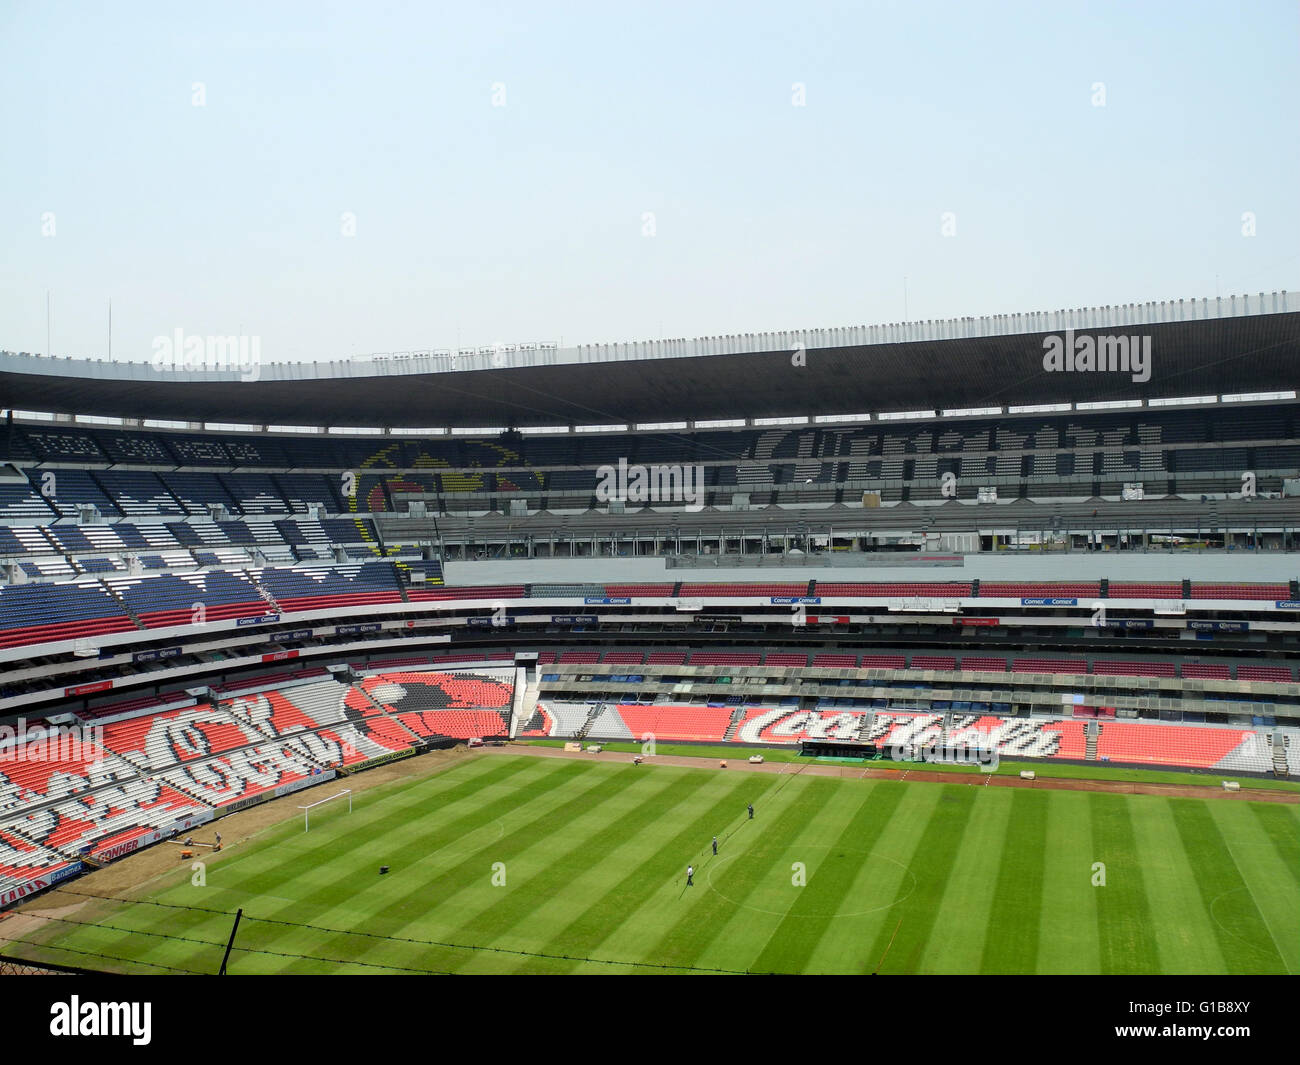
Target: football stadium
888,643
648,489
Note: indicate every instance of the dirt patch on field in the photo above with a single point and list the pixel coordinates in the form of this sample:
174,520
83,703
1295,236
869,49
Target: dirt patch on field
17,924
741,763
138,870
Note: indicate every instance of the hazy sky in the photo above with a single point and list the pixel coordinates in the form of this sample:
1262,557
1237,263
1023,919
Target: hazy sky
502,163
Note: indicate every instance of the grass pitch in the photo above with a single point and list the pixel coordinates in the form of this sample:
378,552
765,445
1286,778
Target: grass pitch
517,863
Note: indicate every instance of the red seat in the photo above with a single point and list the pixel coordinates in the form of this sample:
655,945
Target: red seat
724,658
922,590
984,665
835,661
775,659
676,722
1199,669
1144,590
1240,591
1049,665
1114,668
883,662
1280,674
933,662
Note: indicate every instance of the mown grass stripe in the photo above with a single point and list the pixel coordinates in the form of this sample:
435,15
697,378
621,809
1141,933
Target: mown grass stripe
792,943
399,910
562,871
1123,912
900,944
377,825
960,931
1282,826
751,886
1069,940
1182,927
1012,927
1273,884
459,791
331,887
651,887
1243,935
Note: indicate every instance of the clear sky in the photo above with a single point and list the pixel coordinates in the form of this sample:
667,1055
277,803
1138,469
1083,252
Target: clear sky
197,164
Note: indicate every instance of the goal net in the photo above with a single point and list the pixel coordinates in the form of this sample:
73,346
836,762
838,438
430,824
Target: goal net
326,810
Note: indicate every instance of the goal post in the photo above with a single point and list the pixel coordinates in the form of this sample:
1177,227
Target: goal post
306,810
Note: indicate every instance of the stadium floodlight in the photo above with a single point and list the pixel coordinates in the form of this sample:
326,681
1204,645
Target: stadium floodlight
1109,404
1177,401
905,415
967,412
1257,397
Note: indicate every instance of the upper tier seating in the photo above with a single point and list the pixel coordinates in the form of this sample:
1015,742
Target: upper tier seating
1134,669
1270,673
934,662
835,661
1141,590
1240,591
320,587
883,662
977,663
1034,590
82,607
756,590
1200,669
1049,665
937,589
725,658
187,599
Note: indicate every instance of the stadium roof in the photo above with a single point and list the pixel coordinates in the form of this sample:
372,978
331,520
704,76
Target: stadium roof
1196,348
